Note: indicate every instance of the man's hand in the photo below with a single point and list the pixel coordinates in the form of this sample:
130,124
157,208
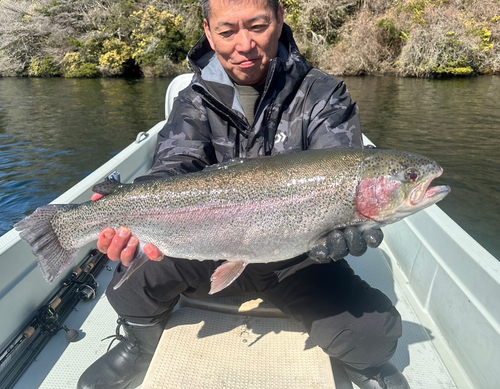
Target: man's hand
122,245
340,243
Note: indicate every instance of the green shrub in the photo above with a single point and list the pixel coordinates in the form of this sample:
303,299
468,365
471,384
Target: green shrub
115,55
43,67
86,70
158,35
86,38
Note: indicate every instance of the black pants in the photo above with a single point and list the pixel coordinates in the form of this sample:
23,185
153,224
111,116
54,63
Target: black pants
347,318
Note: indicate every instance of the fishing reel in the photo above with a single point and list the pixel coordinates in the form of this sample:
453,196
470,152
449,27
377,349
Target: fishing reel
49,321
87,291
49,318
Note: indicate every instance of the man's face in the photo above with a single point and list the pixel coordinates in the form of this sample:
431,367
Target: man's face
244,35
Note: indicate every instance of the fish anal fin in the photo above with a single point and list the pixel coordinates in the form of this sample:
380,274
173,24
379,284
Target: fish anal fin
225,275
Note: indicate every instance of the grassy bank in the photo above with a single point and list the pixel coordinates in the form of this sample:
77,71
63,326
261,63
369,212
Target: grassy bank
110,38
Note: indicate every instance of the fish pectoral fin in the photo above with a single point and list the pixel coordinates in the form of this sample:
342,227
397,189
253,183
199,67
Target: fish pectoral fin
225,274
140,259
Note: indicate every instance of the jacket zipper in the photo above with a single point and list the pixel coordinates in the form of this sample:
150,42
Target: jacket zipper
241,125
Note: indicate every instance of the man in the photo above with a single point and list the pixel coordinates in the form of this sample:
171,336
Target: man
253,94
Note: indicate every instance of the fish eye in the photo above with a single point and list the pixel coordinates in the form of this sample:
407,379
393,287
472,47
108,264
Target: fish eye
412,175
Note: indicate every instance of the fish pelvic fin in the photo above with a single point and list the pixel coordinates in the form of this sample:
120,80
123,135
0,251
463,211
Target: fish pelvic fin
38,232
225,275
140,259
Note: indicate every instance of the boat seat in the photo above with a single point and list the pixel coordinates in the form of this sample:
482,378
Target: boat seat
241,342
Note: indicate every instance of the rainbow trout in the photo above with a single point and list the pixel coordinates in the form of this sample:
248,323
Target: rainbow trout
245,211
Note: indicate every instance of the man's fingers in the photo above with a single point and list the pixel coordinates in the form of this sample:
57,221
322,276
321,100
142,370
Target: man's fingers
127,255
320,254
118,243
337,245
122,246
340,243
373,237
355,241
153,252
105,239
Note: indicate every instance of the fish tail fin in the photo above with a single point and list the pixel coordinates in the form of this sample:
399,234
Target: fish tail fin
38,232
140,259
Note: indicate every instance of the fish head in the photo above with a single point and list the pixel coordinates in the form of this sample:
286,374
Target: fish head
395,184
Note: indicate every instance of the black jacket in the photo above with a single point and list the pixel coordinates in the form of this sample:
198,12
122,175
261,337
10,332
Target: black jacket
301,108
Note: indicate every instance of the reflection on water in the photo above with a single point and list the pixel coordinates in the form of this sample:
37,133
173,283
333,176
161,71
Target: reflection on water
454,121
53,132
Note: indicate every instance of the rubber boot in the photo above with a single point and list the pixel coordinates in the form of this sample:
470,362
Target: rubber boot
127,362
387,376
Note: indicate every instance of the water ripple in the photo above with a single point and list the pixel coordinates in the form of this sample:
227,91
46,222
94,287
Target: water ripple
53,132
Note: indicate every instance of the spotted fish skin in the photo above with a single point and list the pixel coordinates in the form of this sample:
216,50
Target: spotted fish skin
248,211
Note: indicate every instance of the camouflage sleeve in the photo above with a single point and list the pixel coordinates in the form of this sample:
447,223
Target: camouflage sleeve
184,143
334,119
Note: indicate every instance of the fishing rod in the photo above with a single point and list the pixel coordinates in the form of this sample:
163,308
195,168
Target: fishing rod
81,284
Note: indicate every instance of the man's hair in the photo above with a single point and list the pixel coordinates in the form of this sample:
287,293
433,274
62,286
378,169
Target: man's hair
205,4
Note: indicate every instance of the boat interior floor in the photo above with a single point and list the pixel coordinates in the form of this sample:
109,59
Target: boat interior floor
235,344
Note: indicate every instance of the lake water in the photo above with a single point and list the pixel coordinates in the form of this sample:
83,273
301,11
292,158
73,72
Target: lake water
53,132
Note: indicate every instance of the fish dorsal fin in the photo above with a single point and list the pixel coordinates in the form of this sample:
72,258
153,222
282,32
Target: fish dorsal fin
226,164
107,187
225,274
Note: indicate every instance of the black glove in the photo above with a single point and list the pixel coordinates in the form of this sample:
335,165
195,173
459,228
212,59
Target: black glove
340,243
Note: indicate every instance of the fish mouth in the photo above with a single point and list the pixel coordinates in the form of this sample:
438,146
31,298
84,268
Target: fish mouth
423,195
